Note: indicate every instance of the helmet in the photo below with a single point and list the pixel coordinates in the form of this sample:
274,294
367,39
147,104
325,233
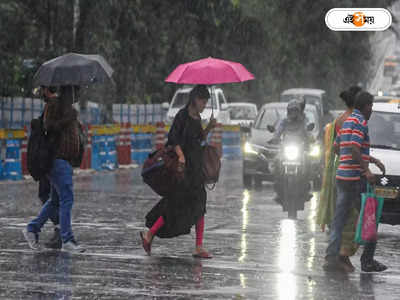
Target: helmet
302,102
293,109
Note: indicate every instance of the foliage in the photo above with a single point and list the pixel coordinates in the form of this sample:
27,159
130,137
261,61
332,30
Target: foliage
284,43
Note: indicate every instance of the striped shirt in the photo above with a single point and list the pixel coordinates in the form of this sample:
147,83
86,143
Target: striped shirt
353,132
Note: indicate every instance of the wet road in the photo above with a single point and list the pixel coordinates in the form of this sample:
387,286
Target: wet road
258,253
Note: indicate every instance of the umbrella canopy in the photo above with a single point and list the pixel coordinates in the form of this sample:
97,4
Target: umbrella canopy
73,69
209,71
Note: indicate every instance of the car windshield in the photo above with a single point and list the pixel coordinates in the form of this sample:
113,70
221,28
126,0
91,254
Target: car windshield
242,112
384,129
272,116
182,99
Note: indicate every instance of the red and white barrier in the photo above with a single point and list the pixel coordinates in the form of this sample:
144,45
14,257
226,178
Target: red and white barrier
160,136
87,155
24,152
124,144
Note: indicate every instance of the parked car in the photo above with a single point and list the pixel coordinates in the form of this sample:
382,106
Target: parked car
258,156
384,130
386,99
312,96
217,104
242,113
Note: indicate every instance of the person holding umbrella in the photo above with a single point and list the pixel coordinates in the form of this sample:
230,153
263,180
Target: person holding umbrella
175,214
61,124
49,94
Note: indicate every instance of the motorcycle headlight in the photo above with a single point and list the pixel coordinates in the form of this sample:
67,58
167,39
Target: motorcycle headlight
315,151
248,148
291,152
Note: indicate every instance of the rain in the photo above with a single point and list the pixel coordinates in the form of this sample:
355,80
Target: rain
128,97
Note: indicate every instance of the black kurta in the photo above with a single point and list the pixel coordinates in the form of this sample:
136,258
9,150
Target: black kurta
185,206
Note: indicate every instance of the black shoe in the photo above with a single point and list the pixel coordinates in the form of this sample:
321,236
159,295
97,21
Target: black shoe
373,266
55,241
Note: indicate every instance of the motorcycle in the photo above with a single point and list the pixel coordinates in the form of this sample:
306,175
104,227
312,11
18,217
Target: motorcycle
291,167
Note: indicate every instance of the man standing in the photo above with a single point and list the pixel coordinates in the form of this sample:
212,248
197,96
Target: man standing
61,123
352,146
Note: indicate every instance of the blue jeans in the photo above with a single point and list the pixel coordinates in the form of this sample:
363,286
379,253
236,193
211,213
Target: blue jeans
348,195
62,199
44,195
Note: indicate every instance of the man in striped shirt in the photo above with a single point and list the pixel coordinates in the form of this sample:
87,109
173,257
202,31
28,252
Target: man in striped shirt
352,145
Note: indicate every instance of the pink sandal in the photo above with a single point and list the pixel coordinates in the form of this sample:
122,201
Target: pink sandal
146,245
202,254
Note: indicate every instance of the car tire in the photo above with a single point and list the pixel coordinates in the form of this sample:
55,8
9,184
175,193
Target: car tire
247,180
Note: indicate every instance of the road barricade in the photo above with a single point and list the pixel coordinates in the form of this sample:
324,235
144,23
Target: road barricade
12,164
160,136
109,146
216,138
104,154
142,145
87,155
231,142
124,144
24,152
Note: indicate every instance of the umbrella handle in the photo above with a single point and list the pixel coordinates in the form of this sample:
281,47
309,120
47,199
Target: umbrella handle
212,102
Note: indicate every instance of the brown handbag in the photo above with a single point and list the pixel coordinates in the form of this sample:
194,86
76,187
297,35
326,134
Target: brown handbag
162,171
211,164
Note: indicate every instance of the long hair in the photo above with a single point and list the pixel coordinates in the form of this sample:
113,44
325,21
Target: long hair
349,96
199,91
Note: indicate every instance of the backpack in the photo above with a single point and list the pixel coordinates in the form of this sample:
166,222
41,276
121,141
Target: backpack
40,154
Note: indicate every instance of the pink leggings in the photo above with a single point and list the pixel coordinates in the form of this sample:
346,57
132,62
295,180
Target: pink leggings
199,229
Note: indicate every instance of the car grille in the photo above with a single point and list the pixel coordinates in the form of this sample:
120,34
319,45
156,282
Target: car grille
388,181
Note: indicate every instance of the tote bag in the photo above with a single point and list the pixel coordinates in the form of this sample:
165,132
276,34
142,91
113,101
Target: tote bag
370,215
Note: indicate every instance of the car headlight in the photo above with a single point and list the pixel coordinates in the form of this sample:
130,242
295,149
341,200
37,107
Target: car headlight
291,152
315,151
248,148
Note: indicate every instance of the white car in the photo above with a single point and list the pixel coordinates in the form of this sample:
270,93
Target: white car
384,131
218,101
242,113
312,96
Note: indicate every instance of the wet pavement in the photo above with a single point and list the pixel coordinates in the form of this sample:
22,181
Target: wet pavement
258,252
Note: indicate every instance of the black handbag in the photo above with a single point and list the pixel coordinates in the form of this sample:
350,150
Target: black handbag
162,171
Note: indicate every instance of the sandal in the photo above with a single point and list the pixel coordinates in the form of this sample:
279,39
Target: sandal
146,245
202,254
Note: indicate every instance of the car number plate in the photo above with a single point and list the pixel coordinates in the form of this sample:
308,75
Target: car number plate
388,193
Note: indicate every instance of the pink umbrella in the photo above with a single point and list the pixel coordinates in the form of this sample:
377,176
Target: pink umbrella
209,71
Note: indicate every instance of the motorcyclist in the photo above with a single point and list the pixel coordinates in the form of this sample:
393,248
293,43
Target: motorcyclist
295,122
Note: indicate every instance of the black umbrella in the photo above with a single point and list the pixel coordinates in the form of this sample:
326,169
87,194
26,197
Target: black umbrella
73,69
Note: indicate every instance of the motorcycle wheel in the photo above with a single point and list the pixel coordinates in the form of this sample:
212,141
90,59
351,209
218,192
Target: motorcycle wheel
289,192
247,180
258,181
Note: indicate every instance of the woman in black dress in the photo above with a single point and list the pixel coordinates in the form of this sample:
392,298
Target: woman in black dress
176,214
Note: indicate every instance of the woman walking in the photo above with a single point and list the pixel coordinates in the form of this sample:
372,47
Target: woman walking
175,214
